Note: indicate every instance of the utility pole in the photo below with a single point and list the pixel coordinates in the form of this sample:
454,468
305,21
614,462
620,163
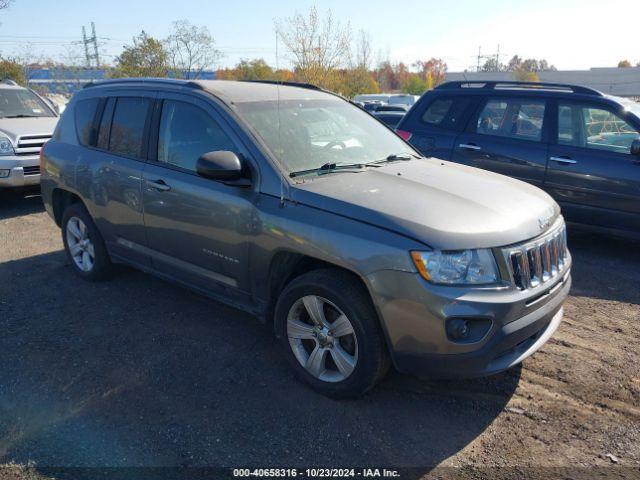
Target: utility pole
85,42
91,42
95,44
494,58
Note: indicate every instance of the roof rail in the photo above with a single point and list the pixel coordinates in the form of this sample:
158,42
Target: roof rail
142,80
497,84
310,86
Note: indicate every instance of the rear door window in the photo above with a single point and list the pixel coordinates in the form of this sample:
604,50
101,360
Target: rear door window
446,113
85,112
520,118
128,126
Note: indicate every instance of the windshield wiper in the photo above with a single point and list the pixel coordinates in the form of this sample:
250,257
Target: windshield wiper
329,167
22,115
394,157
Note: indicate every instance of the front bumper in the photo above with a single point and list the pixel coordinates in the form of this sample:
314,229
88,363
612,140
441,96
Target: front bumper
414,315
23,171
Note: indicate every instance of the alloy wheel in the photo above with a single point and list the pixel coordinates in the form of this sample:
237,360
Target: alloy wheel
322,338
79,244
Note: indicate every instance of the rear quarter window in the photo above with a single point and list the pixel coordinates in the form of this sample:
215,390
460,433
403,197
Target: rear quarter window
447,113
85,111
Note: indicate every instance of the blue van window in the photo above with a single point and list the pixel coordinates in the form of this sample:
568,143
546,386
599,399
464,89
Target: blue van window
593,127
512,117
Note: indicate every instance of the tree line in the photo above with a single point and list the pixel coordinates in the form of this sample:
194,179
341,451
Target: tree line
320,49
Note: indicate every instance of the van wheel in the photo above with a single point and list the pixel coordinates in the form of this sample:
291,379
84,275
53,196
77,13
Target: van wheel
331,335
84,244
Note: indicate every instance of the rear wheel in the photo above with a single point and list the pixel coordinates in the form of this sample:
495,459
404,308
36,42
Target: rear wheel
84,245
331,334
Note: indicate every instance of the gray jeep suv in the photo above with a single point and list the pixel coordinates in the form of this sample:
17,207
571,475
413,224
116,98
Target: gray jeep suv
26,123
293,204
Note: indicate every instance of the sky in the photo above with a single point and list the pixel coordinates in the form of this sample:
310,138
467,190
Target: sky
570,34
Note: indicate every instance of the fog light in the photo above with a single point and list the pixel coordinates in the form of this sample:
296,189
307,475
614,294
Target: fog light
457,328
5,173
467,330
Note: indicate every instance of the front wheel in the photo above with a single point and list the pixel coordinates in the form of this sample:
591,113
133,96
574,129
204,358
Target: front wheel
331,334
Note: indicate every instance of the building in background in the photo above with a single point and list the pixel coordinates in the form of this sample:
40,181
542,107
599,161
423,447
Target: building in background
623,82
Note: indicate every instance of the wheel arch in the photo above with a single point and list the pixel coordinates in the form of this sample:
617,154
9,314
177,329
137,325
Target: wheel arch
285,266
60,200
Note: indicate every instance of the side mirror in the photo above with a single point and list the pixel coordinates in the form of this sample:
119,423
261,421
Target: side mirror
635,147
219,165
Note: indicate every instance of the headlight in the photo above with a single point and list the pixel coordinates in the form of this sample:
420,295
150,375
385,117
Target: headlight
462,267
6,148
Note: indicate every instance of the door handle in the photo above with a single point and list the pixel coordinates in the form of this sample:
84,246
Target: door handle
469,146
159,185
562,160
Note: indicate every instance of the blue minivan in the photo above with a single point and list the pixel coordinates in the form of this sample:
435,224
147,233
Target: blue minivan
578,144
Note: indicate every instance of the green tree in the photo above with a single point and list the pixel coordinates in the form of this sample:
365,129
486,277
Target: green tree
414,85
12,70
256,69
147,57
523,75
624,64
352,82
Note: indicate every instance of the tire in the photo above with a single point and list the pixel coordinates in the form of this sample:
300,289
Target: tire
335,360
82,240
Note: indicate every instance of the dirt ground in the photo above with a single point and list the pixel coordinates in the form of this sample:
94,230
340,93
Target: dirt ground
138,372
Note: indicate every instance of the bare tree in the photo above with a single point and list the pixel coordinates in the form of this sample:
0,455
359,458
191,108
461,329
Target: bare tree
364,52
318,45
5,4
191,49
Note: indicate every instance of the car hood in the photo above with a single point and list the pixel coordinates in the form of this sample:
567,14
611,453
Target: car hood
442,204
17,127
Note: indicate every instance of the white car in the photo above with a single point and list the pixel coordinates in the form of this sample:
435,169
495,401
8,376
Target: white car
27,121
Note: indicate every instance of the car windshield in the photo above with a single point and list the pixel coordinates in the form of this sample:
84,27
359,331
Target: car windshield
307,134
19,103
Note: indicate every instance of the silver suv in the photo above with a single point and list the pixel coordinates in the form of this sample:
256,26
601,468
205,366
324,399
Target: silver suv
26,123
293,204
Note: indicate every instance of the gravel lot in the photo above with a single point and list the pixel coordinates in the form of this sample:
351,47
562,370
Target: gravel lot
138,372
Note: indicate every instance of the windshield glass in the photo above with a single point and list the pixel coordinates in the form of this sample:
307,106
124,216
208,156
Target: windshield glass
22,103
313,133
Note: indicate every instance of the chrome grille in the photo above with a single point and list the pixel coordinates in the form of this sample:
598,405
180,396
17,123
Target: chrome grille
31,144
539,261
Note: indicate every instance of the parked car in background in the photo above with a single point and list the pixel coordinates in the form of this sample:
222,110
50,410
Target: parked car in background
578,144
403,99
372,97
391,119
372,106
295,205
393,108
26,123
